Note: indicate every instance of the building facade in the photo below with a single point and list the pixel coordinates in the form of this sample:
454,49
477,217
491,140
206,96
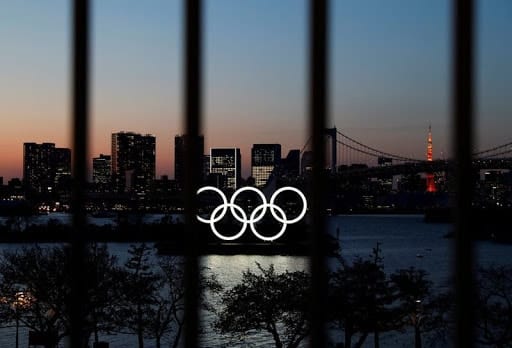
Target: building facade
45,166
62,165
179,157
102,169
290,166
133,162
306,162
225,163
265,160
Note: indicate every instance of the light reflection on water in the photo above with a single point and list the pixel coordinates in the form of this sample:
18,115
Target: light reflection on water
405,241
228,270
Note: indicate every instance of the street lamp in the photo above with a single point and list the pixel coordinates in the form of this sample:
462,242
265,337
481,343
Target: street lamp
22,300
416,320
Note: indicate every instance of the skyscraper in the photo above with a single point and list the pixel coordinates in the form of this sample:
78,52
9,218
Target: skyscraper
227,163
44,166
133,162
306,162
179,157
62,164
206,166
265,159
101,169
291,164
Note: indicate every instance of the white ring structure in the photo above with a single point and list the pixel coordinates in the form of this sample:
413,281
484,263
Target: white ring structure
241,216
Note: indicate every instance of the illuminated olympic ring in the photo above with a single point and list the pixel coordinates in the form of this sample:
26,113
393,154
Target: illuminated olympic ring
257,214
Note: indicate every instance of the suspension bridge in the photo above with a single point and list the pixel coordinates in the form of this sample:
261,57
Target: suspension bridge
358,158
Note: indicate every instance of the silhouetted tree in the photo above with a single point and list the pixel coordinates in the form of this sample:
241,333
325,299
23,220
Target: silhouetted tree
153,297
169,311
417,305
140,293
41,278
413,289
495,306
41,275
103,294
361,299
441,323
272,302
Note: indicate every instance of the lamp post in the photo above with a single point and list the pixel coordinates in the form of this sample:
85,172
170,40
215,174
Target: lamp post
15,304
21,300
17,325
417,319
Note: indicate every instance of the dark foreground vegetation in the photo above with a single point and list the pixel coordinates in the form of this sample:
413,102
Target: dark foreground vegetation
143,297
363,303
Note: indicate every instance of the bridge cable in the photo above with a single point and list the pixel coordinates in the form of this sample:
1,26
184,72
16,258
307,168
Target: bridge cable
397,157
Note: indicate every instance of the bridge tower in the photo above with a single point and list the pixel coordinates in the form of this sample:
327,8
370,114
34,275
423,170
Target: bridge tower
332,132
431,186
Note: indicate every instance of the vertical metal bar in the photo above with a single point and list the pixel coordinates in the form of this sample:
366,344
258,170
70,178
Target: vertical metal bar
463,13
192,81
318,114
80,107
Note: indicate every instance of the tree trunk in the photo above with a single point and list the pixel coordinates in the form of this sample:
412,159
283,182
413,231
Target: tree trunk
140,337
417,337
376,339
348,339
361,340
178,336
96,338
140,328
275,334
158,341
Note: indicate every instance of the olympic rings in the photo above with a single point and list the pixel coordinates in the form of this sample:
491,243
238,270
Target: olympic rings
257,214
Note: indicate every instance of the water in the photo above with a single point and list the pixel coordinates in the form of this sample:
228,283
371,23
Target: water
405,241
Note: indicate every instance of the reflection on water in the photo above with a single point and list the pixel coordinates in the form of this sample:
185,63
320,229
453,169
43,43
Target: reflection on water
228,270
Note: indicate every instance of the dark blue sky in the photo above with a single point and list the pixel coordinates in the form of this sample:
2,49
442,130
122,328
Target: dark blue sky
390,73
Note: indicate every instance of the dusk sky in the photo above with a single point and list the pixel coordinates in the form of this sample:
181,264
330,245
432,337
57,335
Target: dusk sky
390,74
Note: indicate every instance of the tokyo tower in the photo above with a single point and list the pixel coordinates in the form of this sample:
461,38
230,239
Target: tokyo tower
431,186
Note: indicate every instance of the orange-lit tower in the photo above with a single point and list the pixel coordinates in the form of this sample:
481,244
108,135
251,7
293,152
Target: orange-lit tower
431,186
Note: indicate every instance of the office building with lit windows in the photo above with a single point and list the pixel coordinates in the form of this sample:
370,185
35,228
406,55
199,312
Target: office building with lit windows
226,163
62,165
133,162
45,166
101,169
265,160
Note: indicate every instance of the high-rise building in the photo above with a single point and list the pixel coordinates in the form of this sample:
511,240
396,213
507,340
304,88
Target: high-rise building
102,169
44,166
62,164
37,171
291,164
206,166
179,157
226,162
265,159
306,162
133,162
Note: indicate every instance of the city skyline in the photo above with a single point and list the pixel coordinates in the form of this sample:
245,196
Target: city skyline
255,75
102,163
101,157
